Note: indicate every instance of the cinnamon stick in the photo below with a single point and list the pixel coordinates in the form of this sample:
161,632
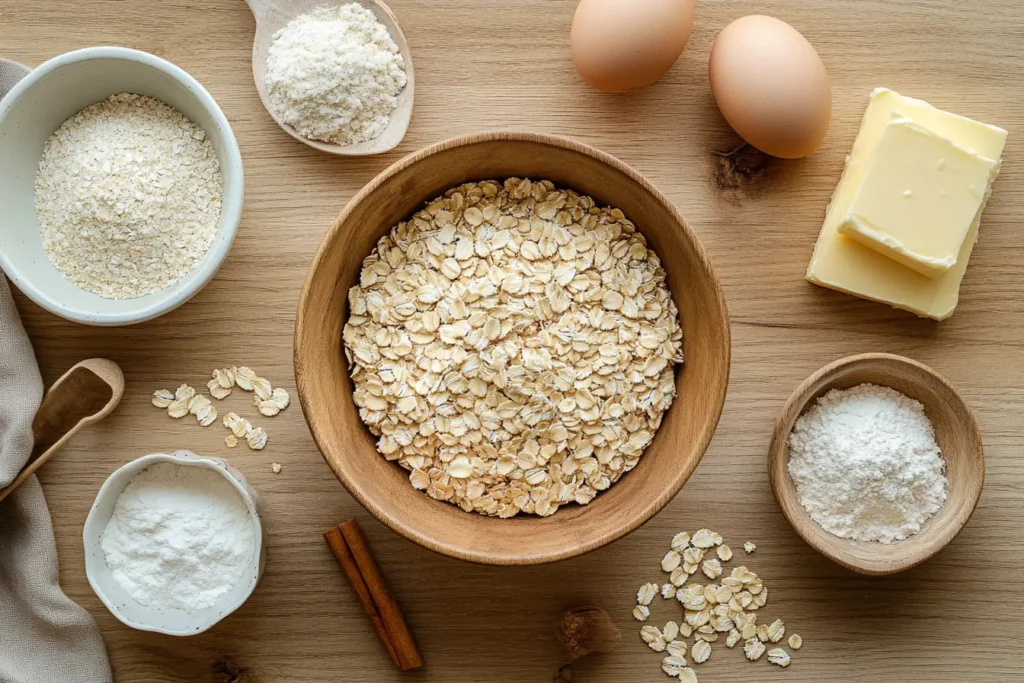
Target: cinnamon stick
353,554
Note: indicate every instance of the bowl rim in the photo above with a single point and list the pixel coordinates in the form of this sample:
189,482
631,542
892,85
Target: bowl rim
800,520
654,506
92,537
233,191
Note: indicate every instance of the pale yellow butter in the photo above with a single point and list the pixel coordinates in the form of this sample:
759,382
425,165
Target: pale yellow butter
844,264
919,196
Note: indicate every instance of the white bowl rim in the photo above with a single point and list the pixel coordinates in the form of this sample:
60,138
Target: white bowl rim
233,193
180,457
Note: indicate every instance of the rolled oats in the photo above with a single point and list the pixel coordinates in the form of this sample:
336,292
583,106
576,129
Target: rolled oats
779,657
641,612
522,327
162,398
796,642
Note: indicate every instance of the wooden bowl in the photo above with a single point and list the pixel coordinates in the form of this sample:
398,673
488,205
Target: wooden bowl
956,432
325,389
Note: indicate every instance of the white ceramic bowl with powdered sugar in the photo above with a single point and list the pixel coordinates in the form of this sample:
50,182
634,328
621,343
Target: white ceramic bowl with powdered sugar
174,542
39,105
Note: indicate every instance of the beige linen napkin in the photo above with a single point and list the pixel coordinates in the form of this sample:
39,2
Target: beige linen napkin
44,636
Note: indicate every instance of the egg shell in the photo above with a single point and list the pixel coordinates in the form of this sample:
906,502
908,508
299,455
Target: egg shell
771,86
619,45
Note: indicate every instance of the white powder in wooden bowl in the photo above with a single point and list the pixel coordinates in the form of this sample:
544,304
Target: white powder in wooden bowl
866,465
128,196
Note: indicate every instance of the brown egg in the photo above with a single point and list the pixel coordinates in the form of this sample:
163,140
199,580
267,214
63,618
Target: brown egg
771,86
619,45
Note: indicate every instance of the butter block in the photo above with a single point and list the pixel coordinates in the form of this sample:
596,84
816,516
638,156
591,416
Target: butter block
919,195
844,264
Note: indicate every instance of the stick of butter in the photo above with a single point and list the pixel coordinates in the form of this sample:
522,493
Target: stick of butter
844,264
918,198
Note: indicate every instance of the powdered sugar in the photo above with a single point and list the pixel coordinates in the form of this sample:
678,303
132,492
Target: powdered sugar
866,465
128,196
179,538
334,74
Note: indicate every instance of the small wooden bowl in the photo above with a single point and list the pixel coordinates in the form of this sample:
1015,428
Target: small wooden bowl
325,388
956,432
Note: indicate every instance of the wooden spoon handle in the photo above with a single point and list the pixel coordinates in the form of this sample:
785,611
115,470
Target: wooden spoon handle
85,394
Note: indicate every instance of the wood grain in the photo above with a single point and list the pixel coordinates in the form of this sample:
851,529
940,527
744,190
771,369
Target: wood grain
486,64
325,387
956,432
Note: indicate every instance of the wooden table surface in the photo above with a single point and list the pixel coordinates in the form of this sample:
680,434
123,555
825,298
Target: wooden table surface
487,64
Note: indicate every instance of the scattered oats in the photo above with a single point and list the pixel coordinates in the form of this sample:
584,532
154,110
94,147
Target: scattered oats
668,591
693,556
712,568
184,392
677,648
178,408
649,633
796,642
262,388
724,553
244,377
256,438
704,538
275,467
256,400
678,576
688,675
198,403
162,398
685,630
641,612
217,391
224,377
280,397
673,665
700,652
230,440
680,541
762,633
521,326
779,657
749,630
776,630
646,593
670,561
749,547
269,408
658,645
670,631
753,649
733,638
207,415
707,633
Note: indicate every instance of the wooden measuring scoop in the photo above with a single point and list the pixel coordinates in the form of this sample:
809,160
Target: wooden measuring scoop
273,15
86,393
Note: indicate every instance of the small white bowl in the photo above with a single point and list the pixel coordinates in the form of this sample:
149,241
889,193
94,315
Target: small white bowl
34,109
118,601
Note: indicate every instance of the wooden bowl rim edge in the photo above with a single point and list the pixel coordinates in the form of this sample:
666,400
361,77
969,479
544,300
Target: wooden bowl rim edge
562,142
816,539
